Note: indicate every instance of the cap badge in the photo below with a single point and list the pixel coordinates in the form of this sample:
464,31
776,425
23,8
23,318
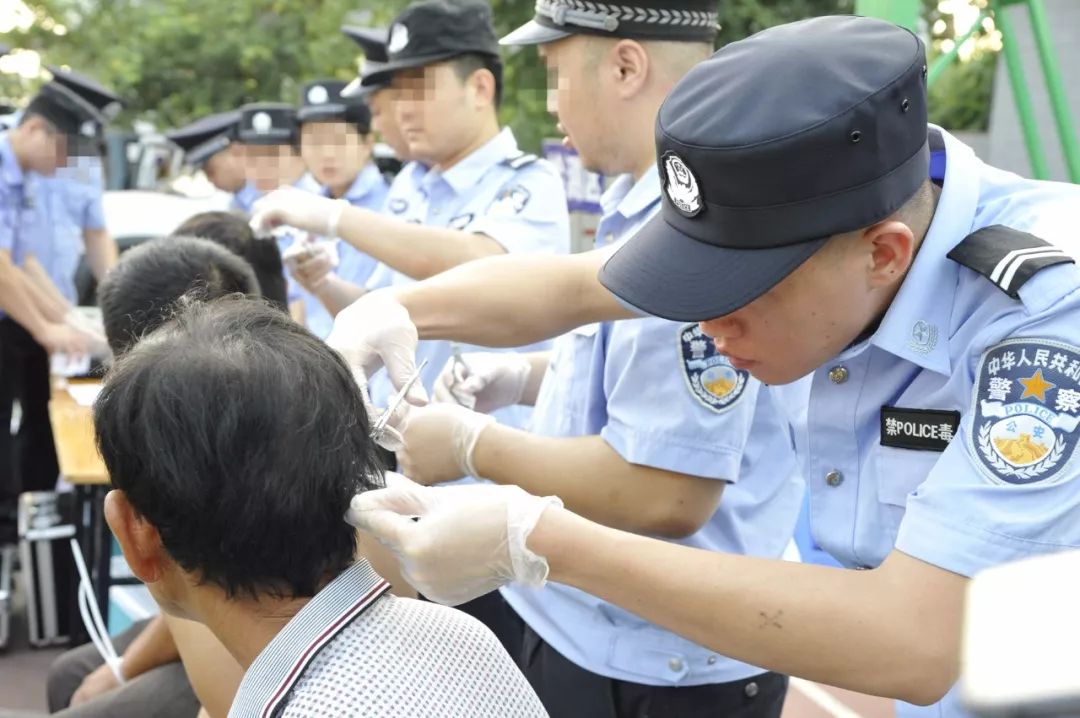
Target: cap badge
399,39
317,95
88,129
681,186
261,123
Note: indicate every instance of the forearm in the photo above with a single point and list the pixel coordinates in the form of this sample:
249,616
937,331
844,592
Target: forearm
539,362
152,648
101,251
869,631
511,300
52,302
15,298
415,250
336,293
593,480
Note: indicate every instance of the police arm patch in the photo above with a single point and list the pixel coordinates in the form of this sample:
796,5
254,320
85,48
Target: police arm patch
510,201
1026,410
709,376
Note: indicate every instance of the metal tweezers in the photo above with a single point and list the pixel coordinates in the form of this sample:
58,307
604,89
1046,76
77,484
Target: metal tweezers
379,427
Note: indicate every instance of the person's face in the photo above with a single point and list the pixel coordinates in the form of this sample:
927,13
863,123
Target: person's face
819,309
271,166
46,148
334,152
437,112
384,122
225,170
576,88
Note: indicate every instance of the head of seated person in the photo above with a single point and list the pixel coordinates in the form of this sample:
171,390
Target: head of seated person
138,294
234,233
234,440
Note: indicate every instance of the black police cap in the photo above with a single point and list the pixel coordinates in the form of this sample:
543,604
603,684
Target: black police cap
268,123
67,111
105,100
205,137
431,31
776,143
323,100
679,20
372,40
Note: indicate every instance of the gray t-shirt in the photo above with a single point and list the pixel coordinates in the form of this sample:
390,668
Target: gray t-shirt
355,650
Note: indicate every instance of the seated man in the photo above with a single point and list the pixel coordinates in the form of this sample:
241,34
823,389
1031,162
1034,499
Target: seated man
235,441
232,231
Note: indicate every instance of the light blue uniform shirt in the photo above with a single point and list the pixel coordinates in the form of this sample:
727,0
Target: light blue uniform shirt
496,192
66,204
953,341
369,191
638,384
245,199
16,205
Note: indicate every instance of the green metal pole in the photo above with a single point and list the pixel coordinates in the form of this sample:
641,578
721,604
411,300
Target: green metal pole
944,60
1020,94
1058,99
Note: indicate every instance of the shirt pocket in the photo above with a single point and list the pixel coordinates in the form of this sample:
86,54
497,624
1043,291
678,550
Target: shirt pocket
898,473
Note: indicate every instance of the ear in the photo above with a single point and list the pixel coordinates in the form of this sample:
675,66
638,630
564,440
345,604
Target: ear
891,251
138,539
630,65
483,86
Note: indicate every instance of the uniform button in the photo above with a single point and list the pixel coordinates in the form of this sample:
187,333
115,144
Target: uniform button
751,689
609,238
712,660
834,478
674,664
838,374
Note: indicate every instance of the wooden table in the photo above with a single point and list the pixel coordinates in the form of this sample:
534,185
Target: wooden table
82,467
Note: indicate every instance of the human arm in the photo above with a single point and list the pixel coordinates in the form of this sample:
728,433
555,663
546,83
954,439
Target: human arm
48,297
101,251
18,299
488,381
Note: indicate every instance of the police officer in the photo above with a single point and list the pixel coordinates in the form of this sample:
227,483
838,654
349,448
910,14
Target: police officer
336,144
377,92
937,426
70,204
33,323
481,196
210,144
595,438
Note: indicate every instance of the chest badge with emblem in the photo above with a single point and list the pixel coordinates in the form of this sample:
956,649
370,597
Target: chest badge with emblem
709,376
1027,397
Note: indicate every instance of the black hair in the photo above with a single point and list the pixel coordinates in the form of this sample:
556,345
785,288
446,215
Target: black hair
241,438
138,294
234,233
465,65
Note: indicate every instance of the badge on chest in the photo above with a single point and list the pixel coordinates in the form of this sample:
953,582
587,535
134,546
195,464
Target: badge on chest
919,429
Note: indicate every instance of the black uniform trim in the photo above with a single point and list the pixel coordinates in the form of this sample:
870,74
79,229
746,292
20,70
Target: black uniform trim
1006,256
522,160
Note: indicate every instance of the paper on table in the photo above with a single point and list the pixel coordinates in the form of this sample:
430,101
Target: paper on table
84,394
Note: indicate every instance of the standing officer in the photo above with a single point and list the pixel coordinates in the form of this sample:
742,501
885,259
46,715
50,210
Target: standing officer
939,425
33,323
377,93
336,144
482,195
210,144
713,470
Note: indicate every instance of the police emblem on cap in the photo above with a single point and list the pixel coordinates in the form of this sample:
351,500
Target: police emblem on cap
261,122
88,129
681,186
709,376
317,95
1027,401
399,38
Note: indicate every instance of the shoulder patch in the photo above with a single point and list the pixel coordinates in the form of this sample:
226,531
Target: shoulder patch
520,160
511,200
1026,406
1006,256
709,376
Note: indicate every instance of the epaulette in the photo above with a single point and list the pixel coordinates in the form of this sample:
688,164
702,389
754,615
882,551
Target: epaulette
1007,256
521,159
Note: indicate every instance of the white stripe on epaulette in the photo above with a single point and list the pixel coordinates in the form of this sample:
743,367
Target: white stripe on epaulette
520,160
607,16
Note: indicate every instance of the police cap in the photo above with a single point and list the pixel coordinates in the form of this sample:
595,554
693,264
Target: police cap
776,143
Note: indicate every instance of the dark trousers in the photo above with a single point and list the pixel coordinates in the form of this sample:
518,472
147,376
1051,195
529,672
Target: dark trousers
163,692
27,461
569,691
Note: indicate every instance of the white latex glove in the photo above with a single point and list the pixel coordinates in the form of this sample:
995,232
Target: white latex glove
92,328
310,262
375,331
439,442
297,208
456,543
484,381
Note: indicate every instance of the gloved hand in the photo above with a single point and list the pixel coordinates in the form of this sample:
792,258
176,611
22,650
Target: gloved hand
439,442
468,541
296,208
374,331
484,381
91,327
311,262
